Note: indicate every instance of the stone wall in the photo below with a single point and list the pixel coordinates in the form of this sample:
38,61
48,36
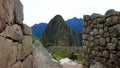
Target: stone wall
15,37
16,46
101,40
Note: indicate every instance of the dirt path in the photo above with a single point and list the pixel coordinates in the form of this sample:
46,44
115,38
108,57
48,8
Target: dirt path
72,66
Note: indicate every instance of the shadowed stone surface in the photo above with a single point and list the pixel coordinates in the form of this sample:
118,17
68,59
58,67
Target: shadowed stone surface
26,30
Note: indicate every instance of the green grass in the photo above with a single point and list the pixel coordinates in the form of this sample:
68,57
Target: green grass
59,53
57,56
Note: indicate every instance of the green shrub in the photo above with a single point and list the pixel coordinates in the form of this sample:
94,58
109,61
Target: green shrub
59,53
49,44
65,53
79,57
73,56
57,56
44,41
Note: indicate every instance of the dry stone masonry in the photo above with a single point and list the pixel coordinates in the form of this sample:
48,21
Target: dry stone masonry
16,45
101,40
15,37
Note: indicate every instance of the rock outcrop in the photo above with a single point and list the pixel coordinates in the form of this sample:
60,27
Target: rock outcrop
16,44
41,58
101,40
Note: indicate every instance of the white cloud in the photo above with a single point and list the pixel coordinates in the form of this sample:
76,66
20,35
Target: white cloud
36,11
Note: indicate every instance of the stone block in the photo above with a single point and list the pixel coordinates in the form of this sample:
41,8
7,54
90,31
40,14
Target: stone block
98,54
14,32
86,17
97,65
102,41
101,31
20,52
118,45
96,15
105,54
27,30
100,26
111,46
113,57
28,62
7,12
114,40
106,34
107,40
18,11
111,12
105,28
115,29
112,20
27,45
85,36
93,52
8,53
2,24
94,32
85,24
17,65
118,53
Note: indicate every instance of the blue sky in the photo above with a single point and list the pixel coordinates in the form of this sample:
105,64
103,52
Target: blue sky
36,11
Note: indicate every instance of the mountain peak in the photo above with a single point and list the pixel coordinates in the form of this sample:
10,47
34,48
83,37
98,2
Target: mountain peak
59,16
58,19
59,33
74,18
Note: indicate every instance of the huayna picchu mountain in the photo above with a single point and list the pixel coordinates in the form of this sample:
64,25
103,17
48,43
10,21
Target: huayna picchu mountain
58,33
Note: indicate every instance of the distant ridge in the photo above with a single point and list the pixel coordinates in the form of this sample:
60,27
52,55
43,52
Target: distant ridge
38,29
74,23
